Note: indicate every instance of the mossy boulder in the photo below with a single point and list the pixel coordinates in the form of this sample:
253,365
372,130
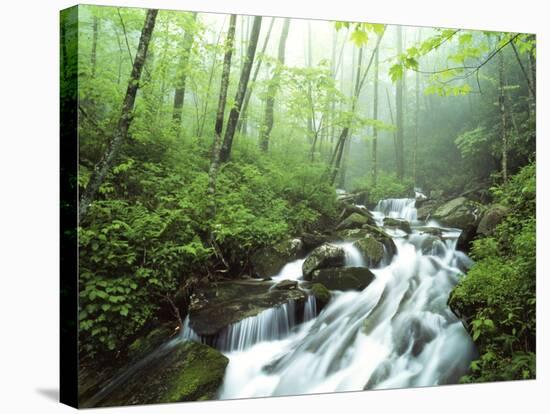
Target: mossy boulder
327,255
354,221
344,278
371,250
143,346
426,208
218,305
184,371
394,223
492,217
269,261
369,232
322,295
463,214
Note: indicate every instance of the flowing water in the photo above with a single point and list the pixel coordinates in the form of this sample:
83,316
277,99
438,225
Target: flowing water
398,332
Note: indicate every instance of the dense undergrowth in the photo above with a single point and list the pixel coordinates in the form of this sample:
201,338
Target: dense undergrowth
497,296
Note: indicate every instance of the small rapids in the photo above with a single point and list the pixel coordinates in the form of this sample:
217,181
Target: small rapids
398,332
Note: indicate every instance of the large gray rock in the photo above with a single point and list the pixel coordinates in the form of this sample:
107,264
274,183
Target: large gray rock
492,217
218,305
463,214
344,278
426,208
270,260
327,255
313,240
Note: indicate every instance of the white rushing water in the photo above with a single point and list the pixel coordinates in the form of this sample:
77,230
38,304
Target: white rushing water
398,332
402,208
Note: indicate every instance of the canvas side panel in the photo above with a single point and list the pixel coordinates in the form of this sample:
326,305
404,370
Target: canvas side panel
69,206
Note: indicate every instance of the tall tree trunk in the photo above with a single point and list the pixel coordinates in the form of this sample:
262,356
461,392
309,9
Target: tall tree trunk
121,132
94,45
375,117
390,110
225,151
416,117
272,89
502,106
399,112
179,94
215,163
360,80
309,56
241,125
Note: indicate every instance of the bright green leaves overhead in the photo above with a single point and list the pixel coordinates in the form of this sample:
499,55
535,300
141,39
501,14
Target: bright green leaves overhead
359,37
361,31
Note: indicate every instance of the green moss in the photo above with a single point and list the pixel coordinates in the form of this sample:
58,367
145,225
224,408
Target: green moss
321,293
186,371
372,249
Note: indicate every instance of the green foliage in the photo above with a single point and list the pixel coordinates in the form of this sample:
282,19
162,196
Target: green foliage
497,296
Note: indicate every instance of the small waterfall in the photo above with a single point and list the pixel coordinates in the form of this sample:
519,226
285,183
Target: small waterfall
310,309
269,325
354,258
291,271
398,332
403,208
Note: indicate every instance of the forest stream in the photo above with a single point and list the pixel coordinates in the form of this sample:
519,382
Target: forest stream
397,332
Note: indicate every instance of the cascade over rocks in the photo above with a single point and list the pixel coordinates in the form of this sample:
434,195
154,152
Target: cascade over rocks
217,306
321,295
270,260
371,250
403,225
344,278
327,255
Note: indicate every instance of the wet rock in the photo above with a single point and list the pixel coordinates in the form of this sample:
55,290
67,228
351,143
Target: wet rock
433,231
286,285
492,217
321,294
312,240
185,371
270,260
371,250
369,231
426,208
327,255
403,225
463,214
344,278
216,306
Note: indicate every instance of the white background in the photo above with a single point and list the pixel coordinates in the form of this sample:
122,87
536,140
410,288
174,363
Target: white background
29,195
